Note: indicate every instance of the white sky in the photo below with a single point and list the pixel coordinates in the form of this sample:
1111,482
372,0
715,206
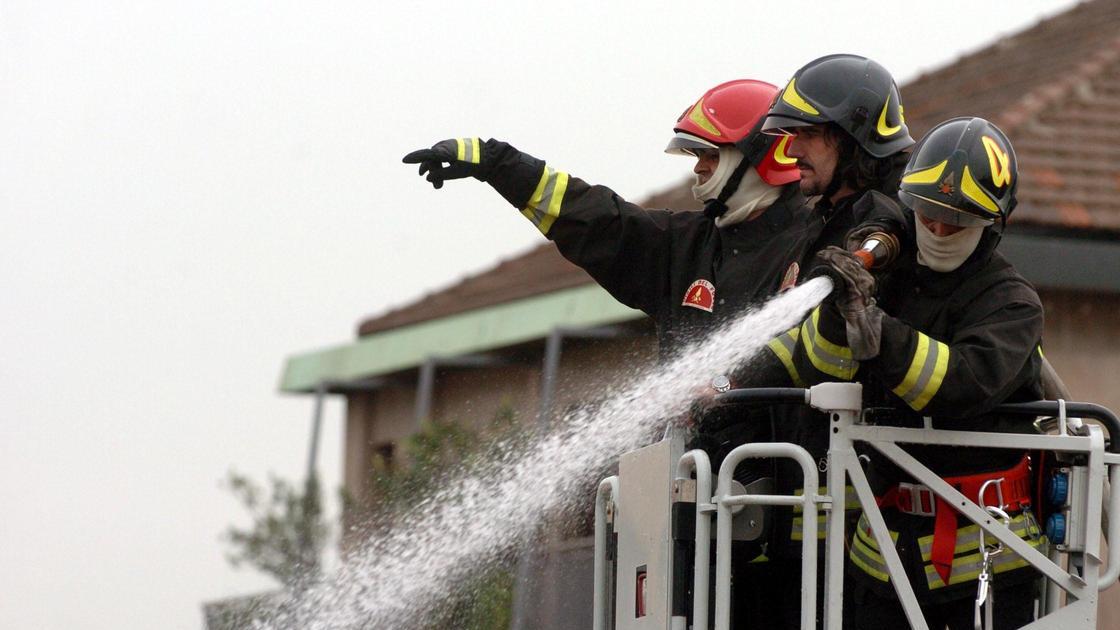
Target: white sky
190,192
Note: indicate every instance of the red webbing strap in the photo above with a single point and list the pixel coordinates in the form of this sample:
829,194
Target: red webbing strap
944,539
1016,482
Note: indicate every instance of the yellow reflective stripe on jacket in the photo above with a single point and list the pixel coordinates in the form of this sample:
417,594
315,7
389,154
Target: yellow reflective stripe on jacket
783,346
544,205
468,150
967,560
968,537
967,567
832,359
864,552
851,502
927,371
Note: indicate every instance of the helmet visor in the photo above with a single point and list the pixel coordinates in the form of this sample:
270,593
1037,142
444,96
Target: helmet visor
940,212
687,144
776,125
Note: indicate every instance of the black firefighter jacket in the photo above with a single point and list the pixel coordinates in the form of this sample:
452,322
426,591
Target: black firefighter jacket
677,267
954,345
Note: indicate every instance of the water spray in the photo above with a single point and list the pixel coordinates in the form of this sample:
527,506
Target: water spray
399,577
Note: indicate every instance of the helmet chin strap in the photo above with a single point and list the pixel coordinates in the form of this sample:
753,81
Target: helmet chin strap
754,147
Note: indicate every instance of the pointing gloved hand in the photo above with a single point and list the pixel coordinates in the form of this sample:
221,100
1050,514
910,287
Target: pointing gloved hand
863,319
449,159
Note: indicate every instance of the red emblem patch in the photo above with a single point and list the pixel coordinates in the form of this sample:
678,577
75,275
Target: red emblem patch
701,294
790,278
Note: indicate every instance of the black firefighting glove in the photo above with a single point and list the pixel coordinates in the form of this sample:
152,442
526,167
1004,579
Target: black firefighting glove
862,318
449,159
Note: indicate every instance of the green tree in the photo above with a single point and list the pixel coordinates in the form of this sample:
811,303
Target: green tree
287,534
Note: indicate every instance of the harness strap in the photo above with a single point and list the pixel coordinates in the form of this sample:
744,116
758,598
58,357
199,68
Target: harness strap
1013,493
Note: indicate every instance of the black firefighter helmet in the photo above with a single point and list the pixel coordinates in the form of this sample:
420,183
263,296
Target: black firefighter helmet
963,172
854,92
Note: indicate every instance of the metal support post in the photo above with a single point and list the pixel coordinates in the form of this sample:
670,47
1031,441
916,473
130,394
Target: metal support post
426,379
425,389
843,407
725,502
602,595
697,460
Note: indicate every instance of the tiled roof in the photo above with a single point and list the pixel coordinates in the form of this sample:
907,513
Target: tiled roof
1053,88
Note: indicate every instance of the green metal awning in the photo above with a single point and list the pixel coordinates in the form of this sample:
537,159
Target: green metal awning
473,331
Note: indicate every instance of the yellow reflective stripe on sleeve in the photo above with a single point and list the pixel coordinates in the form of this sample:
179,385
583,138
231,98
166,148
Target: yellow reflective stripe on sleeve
851,502
782,346
832,359
927,371
797,526
861,558
864,552
468,150
545,204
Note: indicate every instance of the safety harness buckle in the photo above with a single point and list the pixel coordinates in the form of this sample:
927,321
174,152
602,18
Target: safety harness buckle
916,499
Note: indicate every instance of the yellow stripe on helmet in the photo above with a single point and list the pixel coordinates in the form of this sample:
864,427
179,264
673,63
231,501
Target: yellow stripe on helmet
697,116
999,161
930,175
780,152
791,96
881,126
973,191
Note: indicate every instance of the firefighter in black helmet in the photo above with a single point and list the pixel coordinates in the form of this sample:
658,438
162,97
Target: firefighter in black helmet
953,331
844,119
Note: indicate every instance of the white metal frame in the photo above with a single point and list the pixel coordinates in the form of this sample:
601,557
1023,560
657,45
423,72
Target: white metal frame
842,401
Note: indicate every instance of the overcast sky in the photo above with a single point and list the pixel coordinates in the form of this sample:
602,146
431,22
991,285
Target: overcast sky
190,192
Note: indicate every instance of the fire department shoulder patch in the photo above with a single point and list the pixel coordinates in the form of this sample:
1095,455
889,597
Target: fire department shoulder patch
790,278
701,294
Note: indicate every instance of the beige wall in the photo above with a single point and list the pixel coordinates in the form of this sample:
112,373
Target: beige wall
1082,341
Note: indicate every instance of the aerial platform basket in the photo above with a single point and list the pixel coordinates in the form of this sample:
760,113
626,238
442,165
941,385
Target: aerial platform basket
663,501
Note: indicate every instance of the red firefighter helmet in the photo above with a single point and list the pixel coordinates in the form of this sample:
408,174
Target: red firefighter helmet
729,114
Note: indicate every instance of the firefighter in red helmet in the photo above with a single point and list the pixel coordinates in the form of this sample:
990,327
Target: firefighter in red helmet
689,271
